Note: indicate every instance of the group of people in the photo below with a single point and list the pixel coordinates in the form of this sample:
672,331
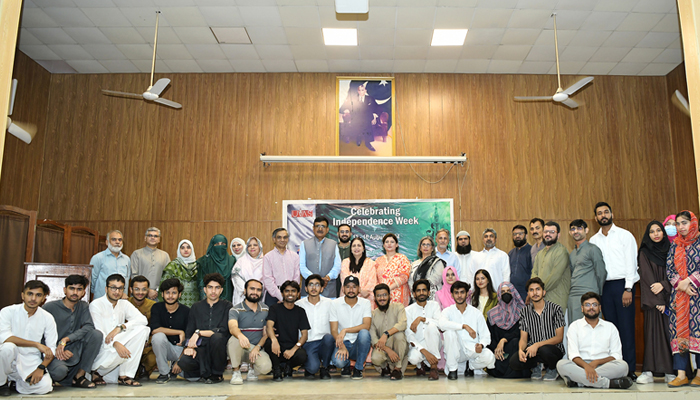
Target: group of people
534,312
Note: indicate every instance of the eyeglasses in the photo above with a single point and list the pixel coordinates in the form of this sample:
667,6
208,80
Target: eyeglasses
314,285
426,244
554,232
153,236
382,296
576,228
324,226
591,305
116,288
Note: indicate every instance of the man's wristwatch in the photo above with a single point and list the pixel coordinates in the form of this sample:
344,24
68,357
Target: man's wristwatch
197,332
298,344
42,367
628,290
387,334
62,343
122,327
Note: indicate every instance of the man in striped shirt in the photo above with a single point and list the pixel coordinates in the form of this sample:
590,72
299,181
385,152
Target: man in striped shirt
541,334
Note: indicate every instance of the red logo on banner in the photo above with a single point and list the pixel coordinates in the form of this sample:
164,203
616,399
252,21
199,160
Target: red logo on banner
302,213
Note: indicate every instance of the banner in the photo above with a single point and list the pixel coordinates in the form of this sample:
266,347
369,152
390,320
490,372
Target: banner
409,220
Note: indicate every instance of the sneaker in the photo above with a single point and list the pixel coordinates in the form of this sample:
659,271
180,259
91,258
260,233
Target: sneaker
621,383
678,382
251,376
163,378
288,371
357,374
479,373
244,367
536,372
214,379
669,377
277,375
645,377
308,375
324,373
236,378
551,375
569,383
346,371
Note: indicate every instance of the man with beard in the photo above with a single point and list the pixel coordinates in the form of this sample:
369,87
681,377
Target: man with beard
121,349
594,350
520,260
619,250
344,236
320,344
80,342
287,331
541,334
423,333
139,288
149,261
246,322
492,259
168,324
464,254
387,332
319,255
108,262
466,334
552,266
536,228
351,318
23,357
587,268
443,240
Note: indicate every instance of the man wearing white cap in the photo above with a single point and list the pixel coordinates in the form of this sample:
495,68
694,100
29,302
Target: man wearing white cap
464,255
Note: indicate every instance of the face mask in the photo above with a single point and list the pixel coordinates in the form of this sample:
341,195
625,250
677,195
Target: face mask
506,297
671,230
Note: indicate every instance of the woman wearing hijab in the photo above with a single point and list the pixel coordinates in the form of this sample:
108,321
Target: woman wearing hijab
216,260
247,267
427,266
238,247
444,295
683,271
655,292
504,324
670,227
184,268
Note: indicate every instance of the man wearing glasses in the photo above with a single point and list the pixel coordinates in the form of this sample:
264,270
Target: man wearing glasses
279,266
320,344
587,268
594,350
108,262
319,255
125,332
149,261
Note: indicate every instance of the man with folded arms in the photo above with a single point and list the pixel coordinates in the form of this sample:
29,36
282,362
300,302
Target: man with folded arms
79,340
320,345
423,333
594,350
168,324
387,332
246,323
351,318
466,334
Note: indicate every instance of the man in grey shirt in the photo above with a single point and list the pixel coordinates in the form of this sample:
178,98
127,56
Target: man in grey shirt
587,268
79,341
149,261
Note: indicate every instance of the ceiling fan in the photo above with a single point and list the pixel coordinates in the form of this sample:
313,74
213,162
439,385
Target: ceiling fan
561,95
679,101
153,92
24,131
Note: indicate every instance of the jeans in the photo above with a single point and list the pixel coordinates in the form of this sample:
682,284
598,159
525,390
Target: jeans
356,351
680,361
317,352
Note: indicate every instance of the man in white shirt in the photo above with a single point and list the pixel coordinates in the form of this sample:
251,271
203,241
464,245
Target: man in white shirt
466,334
124,341
464,253
351,318
492,259
619,250
150,261
320,345
22,326
423,332
594,350
443,240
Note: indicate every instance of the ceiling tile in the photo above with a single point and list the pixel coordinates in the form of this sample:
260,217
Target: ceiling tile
530,19
66,16
145,66
381,17
215,66
563,37
183,66
166,35
479,52
312,65
104,51
133,3
538,4
87,35
122,35
496,3
247,65
521,36
542,53
376,52
267,35
589,38
414,37
617,5
274,52
174,3
344,65
195,35
492,18
676,44
71,52
184,16
457,3
484,36
503,67
51,35
415,18
416,3
231,35
440,66
658,69
94,3
639,22
304,36
343,52
472,66
610,54
375,37
279,66
57,66
260,16
240,52
623,39
658,39
87,66
303,2
569,19
39,52
655,6
372,3
577,53
313,52
597,68
206,51
672,56
173,52
37,18
511,52
329,20
53,3
568,68
453,17
376,66
305,17
535,67
221,16
576,4
119,66
638,55
104,17
603,21
136,51
144,16
26,37
256,2
409,66
669,23
444,52
627,69
411,52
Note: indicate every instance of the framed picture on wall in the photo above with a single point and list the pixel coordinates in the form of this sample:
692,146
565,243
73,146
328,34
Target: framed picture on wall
365,119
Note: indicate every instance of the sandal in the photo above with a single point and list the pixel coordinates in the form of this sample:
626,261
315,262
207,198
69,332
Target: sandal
83,383
126,381
97,379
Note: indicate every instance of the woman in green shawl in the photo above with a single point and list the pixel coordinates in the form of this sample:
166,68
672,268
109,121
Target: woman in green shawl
218,260
184,268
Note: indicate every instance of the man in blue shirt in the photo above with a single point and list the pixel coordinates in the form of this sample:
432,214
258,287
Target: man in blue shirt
108,262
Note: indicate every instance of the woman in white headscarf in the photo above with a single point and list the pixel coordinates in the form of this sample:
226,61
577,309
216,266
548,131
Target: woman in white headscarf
184,268
237,247
249,266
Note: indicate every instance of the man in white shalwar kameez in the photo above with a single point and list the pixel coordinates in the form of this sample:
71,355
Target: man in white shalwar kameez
22,326
422,331
125,331
466,334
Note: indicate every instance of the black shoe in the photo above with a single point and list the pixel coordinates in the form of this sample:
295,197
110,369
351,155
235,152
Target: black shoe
214,379
452,375
288,371
357,374
323,373
386,371
308,375
5,389
468,372
632,376
163,378
346,372
569,382
141,373
202,380
277,375
621,383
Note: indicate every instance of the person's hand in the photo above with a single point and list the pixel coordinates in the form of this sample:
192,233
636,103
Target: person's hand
661,309
626,298
382,342
61,352
531,351
192,343
181,335
416,322
591,374
500,355
122,350
326,279
469,330
276,347
342,354
190,352
392,354
374,121
254,354
656,287
110,336
152,294
176,368
429,357
522,356
45,350
68,354
125,296
339,338
244,342
478,348
290,353
34,377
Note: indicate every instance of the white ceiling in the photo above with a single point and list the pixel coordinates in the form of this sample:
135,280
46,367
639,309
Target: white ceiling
596,37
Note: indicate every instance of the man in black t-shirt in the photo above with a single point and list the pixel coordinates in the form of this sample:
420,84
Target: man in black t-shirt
168,324
287,331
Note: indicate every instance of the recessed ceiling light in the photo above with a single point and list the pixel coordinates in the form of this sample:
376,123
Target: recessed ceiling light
340,37
449,37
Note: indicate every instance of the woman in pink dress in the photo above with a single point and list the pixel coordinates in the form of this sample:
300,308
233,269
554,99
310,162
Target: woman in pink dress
393,269
361,267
